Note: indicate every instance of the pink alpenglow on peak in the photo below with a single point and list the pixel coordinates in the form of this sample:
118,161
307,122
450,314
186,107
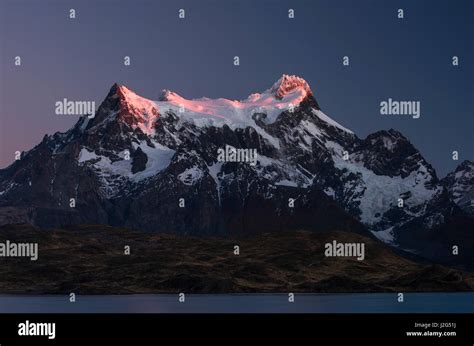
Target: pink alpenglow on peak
135,110
168,95
285,94
288,84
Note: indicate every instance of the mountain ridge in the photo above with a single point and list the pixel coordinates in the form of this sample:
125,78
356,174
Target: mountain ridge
337,179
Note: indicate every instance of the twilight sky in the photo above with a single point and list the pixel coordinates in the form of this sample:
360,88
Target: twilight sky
407,59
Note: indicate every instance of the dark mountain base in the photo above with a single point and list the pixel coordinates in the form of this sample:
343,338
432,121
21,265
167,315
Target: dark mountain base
91,260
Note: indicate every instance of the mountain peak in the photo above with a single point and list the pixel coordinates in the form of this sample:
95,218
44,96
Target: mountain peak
168,95
118,90
131,108
465,165
123,92
288,84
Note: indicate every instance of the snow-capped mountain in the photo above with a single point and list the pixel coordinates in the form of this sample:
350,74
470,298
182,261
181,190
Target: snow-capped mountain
137,161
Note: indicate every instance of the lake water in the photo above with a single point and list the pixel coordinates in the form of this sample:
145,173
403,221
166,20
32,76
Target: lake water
241,303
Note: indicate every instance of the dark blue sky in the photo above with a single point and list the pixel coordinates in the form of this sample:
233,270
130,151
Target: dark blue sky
407,59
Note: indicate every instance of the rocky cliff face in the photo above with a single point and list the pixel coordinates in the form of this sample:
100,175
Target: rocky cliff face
154,166
460,185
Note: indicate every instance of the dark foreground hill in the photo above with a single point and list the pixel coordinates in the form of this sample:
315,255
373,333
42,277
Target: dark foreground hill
91,260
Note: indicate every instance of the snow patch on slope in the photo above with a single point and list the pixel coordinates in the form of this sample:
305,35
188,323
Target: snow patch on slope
386,236
214,171
380,193
86,155
159,158
191,176
330,121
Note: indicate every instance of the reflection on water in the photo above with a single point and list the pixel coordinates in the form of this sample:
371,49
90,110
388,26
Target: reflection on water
240,303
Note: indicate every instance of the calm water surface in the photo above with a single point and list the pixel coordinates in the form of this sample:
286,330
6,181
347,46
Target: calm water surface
241,303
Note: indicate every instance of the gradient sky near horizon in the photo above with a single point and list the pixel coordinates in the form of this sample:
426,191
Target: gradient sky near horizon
407,59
